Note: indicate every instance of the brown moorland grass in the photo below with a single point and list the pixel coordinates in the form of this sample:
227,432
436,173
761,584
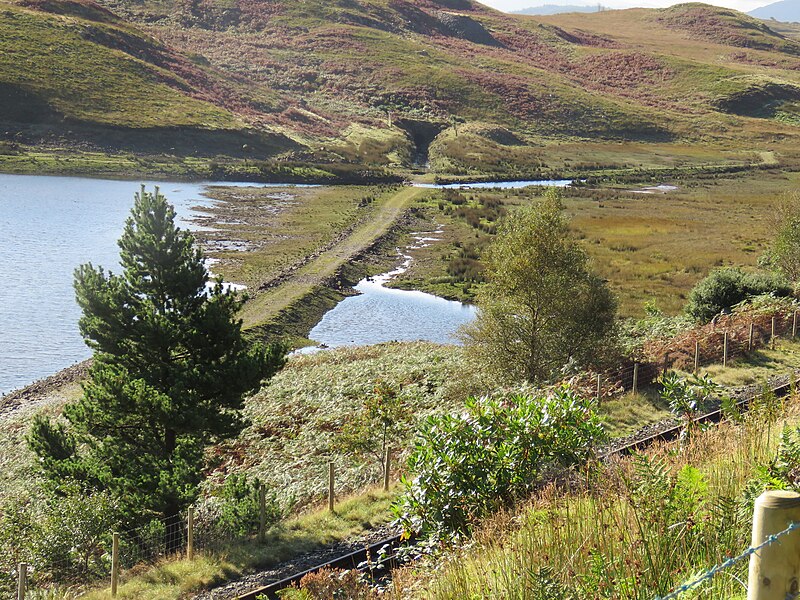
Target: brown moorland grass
651,247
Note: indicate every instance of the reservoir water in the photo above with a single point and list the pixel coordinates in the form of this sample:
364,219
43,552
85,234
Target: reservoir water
50,225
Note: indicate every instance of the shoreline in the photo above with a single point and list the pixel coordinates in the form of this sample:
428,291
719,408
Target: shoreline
16,398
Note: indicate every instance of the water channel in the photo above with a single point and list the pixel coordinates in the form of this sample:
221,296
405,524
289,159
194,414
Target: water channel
50,225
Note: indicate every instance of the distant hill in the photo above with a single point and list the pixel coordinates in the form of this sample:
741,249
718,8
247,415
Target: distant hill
552,9
785,10
387,82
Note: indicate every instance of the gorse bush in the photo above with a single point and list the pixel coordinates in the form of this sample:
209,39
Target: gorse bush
469,465
725,288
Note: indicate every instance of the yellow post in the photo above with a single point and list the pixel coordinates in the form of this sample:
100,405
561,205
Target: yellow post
775,570
114,563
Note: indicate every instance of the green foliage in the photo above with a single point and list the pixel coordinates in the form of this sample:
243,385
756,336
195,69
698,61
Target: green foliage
239,507
298,418
782,472
541,307
686,397
169,374
655,325
725,288
63,537
384,420
784,254
466,466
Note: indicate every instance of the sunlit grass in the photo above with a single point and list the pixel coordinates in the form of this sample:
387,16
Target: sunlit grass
175,578
610,537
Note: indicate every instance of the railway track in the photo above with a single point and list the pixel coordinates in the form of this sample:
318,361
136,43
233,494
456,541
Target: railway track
382,555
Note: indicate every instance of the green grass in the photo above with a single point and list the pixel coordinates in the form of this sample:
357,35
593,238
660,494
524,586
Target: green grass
177,578
296,419
324,266
579,92
759,365
626,414
650,247
90,82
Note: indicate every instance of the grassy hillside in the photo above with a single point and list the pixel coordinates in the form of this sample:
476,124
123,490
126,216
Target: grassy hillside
74,71
391,81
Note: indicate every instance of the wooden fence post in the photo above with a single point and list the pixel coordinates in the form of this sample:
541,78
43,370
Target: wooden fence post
22,580
772,335
725,350
331,487
774,570
262,513
635,378
190,534
114,563
386,466
696,356
750,342
794,325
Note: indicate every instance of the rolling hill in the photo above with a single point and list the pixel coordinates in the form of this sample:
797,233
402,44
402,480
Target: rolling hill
784,10
392,82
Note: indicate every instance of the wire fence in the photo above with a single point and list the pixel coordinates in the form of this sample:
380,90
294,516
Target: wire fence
722,342
713,571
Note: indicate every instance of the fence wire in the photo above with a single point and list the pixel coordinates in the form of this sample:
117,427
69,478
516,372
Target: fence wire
708,575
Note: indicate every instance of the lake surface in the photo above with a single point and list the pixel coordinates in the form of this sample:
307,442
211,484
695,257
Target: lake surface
50,225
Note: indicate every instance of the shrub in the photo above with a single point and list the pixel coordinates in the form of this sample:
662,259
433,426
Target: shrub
725,288
239,512
467,466
63,537
386,416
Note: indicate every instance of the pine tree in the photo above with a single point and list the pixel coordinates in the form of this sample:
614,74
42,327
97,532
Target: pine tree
170,371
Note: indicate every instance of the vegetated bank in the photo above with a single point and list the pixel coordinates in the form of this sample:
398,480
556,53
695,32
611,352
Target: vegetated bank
631,528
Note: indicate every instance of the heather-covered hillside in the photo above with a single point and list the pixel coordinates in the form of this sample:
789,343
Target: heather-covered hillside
389,82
